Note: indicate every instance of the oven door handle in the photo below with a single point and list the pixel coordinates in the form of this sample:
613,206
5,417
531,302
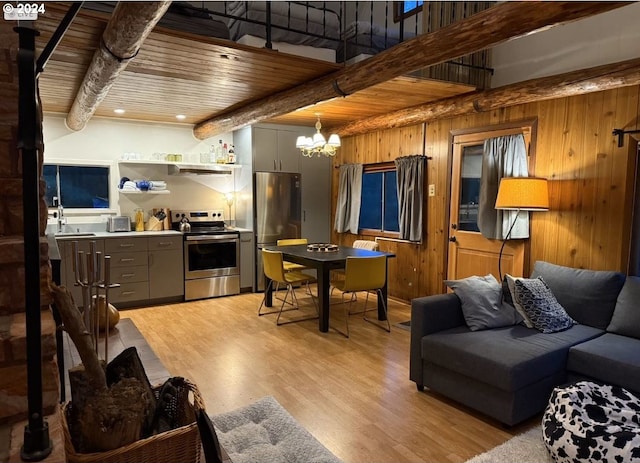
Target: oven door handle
216,238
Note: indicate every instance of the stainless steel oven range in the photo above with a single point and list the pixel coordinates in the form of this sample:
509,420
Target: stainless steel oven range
211,254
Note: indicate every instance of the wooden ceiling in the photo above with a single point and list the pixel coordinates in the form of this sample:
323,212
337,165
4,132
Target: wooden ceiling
200,77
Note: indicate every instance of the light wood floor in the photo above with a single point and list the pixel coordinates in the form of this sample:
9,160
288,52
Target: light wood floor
353,395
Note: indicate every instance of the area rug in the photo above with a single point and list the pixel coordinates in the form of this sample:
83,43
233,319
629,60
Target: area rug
404,325
264,432
523,448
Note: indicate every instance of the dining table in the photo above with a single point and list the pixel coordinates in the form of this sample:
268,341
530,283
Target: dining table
324,262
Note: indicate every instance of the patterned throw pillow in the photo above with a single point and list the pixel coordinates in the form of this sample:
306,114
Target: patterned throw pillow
541,306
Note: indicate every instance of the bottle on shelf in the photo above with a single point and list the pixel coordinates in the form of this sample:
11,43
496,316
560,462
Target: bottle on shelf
139,219
220,153
225,153
231,156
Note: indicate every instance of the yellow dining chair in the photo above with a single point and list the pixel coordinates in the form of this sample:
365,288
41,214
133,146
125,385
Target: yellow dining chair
292,266
289,266
363,274
370,245
274,270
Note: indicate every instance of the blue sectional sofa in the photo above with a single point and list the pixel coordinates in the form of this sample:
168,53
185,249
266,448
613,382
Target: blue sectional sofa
508,373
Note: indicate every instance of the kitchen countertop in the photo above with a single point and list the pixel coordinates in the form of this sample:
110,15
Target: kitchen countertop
104,234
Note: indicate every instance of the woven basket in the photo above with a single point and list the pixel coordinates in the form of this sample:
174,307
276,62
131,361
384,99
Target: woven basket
181,444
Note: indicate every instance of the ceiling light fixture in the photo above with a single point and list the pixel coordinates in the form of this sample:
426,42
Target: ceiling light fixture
181,117
318,145
119,111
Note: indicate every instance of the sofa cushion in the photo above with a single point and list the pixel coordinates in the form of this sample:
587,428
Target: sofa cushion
610,358
481,301
508,358
588,296
626,315
541,307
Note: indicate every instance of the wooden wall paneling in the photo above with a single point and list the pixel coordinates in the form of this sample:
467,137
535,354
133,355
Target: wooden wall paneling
590,184
627,116
600,120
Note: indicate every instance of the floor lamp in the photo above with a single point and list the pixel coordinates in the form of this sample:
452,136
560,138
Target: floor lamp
520,194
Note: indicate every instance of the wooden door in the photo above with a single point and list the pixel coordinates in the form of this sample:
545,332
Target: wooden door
470,253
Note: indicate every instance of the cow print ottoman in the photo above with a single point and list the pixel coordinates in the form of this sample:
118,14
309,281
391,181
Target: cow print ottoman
589,422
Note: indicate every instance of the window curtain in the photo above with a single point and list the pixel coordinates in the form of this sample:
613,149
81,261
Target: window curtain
349,197
502,157
410,183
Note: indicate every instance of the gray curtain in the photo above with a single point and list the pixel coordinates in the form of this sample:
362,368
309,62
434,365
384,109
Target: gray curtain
503,157
349,197
410,182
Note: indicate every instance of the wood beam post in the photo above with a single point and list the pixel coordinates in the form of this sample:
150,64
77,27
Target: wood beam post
505,21
596,79
127,29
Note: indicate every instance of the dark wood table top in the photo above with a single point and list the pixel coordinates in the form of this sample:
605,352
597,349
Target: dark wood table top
300,250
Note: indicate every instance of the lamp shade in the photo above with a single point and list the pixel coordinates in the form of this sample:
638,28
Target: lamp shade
523,193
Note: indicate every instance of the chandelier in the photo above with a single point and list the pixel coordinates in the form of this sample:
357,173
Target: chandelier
318,145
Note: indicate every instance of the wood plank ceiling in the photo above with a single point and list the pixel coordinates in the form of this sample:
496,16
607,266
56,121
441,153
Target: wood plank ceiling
200,77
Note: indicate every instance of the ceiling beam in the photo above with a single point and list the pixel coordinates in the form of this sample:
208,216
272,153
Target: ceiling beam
128,27
596,79
504,21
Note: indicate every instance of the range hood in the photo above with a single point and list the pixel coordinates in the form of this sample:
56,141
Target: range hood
201,169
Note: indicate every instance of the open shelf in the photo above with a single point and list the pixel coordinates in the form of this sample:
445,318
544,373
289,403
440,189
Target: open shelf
148,192
176,168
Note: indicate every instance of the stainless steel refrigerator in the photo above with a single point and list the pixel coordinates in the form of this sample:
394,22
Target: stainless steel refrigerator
278,211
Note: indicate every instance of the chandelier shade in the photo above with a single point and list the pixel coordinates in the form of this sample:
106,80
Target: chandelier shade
318,145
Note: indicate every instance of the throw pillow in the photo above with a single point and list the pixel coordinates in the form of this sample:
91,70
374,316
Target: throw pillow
481,301
626,315
510,298
542,308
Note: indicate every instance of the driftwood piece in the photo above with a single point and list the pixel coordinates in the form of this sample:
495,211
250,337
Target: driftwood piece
103,418
74,325
114,417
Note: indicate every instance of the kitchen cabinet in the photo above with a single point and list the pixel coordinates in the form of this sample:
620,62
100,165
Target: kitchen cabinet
316,199
148,269
67,274
247,267
166,267
129,261
274,150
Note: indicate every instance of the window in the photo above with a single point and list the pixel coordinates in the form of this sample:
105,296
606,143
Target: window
78,187
403,10
379,203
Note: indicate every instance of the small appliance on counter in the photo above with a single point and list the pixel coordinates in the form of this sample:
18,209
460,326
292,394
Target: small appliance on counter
118,223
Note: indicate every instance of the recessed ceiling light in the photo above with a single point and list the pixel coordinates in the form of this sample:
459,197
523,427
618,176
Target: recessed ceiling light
181,117
119,111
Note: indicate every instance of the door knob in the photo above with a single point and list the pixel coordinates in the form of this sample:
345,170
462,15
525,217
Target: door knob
453,239
454,226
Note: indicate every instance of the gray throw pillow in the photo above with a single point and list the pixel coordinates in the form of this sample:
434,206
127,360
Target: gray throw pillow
626,316
542,308
481,301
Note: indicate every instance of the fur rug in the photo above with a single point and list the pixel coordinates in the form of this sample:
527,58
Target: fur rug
523,448
264,432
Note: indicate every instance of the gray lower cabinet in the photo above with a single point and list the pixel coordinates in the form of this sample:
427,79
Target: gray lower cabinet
129,262
67,275
247,250
166,267
148,269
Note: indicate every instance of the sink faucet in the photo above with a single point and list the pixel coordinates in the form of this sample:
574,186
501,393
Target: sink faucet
60,214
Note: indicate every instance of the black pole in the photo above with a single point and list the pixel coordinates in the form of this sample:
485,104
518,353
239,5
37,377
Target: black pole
37,444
